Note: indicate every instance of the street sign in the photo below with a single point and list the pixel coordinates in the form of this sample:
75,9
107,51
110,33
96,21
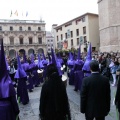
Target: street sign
81,40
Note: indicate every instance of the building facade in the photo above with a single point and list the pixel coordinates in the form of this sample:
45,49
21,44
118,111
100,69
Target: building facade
80,30
109,23
27,36
49,41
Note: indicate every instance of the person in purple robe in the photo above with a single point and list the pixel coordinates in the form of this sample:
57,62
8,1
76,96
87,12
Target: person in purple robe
57,63
22,87
44,62
71,63
78,73
86,66
34,68
9,109
25,66
40,67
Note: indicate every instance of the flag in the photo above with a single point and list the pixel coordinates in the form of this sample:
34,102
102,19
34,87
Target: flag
11,14
26,14
16,13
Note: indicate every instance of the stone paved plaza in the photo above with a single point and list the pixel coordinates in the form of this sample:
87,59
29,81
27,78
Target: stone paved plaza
31,110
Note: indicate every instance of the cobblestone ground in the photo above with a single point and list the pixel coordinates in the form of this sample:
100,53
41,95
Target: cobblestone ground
31,110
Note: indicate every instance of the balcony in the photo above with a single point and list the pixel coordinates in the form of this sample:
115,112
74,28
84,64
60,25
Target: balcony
25,44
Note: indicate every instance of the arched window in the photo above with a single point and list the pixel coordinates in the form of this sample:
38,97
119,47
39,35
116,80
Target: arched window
21,40
40,40
30,40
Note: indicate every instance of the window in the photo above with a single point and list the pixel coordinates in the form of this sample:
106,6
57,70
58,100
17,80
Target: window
78,41
84,30
21,41
85,39
0,28
29,28
71,42
48,49
57,45
20,28
71,33
39,28
48,40
51,40
11,41
61,37
77,32
40,40
30,40
11,28
57,38
66,35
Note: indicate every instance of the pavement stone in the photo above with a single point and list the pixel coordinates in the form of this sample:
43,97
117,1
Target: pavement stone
31,110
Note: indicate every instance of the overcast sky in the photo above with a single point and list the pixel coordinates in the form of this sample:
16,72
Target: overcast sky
51,11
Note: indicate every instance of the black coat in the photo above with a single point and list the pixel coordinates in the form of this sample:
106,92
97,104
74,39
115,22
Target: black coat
95,96
117,97
54,101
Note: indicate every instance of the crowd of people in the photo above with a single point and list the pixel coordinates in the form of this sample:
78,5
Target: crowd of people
90,73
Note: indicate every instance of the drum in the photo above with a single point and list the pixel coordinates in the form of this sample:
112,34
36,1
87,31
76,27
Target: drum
64,79
40,73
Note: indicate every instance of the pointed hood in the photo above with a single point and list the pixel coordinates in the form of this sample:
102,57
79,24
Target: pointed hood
70,61
20,73
70,56
78,61
50,60
44,61
32,58
3,64
6,86
86,66
40,65
89,54
53,56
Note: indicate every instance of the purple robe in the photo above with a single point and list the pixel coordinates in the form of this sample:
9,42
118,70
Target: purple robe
22,90
78,74
8,103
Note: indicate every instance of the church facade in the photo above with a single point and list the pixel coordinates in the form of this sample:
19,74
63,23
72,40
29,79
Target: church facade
24,36
109,25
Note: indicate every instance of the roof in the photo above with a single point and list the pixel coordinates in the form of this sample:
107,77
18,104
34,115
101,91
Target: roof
21,21
49,34
76,19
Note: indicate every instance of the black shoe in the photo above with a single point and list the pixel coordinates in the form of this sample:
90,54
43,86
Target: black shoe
75,90
36,86
30,90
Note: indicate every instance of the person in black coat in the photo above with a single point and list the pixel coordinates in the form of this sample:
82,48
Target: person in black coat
117,97
95,94
54,103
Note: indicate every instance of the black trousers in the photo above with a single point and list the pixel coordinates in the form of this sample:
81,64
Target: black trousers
96,118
